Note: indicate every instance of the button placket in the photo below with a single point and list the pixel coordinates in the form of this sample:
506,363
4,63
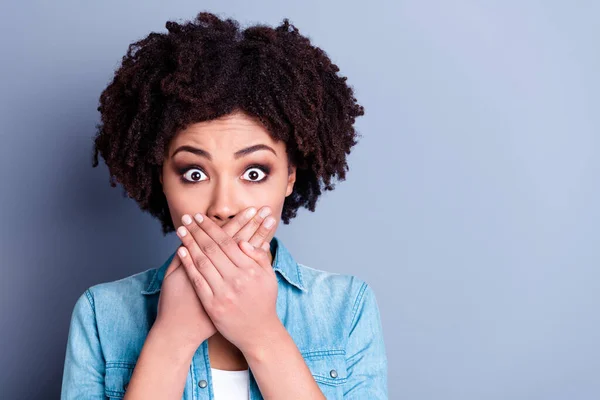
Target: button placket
201,372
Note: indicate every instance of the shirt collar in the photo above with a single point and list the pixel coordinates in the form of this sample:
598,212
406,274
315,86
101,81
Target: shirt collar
283,262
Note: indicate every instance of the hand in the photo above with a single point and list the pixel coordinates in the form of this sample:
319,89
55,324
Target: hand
180,312
235,282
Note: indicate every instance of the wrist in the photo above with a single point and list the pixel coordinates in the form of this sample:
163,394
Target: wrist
271,339
176,344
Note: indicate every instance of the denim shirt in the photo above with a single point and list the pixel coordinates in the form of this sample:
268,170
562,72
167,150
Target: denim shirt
333,319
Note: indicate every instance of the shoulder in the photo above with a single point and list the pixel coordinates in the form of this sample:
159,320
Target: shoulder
111,320
129,286
336,290
320,280
121,298
118,312
341,309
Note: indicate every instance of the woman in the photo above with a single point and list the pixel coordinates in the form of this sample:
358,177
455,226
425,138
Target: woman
220,133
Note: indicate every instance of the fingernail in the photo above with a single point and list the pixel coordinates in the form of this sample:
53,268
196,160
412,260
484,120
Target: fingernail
264,212
250,213
198,218
181,231
182,252
186,219
269,222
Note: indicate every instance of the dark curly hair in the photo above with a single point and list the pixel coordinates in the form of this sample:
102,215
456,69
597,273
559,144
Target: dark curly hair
207,68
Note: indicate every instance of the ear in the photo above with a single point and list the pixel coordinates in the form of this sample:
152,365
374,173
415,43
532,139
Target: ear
291,180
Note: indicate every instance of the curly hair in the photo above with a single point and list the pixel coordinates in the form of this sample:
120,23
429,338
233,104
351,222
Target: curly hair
207,68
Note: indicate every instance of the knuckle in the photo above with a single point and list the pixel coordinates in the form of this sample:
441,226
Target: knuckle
210,248
192,229
225,241
262,232
255,223
237,238
237,284
229,298
198,281
202,262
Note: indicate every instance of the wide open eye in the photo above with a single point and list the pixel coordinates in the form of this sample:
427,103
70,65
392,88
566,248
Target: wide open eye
193,175
255,174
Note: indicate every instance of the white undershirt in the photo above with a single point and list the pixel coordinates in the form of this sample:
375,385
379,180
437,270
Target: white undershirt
231,385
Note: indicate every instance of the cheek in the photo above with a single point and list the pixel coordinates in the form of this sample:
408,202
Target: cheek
176,209
276,206
275,196
181,201
270,196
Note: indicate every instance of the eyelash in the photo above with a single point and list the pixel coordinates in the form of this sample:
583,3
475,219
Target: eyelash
264,168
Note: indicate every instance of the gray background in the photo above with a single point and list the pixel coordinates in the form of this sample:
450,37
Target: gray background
471,205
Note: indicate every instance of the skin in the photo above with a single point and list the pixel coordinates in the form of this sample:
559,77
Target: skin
225,186
221,186
227,288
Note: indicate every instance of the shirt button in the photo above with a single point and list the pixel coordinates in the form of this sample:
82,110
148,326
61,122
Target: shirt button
333,373
202,383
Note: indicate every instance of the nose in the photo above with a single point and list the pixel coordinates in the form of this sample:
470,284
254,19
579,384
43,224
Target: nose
223,205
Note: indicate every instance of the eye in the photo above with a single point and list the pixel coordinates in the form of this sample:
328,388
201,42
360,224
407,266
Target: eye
253,174
193,175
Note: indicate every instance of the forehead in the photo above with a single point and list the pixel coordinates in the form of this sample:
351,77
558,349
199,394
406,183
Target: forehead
230,132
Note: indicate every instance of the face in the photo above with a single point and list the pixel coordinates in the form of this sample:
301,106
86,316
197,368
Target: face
221,167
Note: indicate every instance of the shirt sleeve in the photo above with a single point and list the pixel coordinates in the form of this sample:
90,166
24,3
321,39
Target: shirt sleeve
365,352
83,374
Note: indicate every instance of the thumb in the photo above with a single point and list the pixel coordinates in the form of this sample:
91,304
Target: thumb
257,254
175,263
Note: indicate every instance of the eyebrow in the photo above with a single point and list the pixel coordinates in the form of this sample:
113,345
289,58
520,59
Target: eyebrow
237,154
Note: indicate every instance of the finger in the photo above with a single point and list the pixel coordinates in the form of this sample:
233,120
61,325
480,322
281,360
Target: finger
266,246
201,262
257,254
221,245
233,226
253,224
209,248
201,286
264,233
